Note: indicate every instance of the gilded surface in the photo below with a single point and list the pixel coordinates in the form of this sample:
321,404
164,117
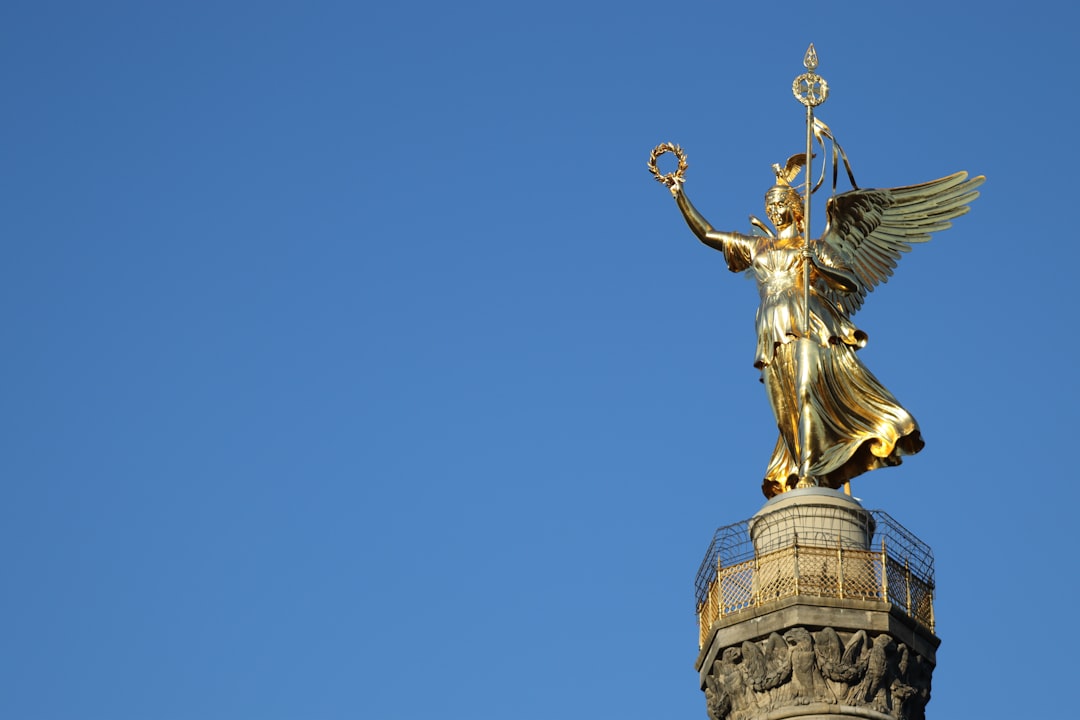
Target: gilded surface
836,420
822,572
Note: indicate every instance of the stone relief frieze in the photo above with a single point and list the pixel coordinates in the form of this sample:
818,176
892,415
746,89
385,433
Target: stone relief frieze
802,667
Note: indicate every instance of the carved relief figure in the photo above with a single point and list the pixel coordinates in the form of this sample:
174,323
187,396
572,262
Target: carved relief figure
807,684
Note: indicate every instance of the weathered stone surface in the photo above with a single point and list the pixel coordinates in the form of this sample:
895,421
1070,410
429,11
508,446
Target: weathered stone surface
808,671
812,516
843,614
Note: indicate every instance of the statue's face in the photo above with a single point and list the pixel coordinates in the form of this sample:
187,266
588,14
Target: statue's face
780,213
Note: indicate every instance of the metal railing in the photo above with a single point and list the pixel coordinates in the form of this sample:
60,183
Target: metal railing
734,578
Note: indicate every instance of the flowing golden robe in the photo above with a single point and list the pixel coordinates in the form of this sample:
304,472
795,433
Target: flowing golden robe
855,424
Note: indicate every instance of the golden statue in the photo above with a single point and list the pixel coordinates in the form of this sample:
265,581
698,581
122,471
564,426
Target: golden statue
836,419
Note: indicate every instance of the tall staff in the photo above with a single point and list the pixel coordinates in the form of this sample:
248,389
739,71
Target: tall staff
811,90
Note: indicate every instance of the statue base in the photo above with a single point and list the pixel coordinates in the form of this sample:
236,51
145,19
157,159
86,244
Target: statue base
811,516
821,638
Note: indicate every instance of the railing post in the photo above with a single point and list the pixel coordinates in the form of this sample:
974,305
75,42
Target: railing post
907,580
796,548
719,588
840,566
755,584
930,597
884,572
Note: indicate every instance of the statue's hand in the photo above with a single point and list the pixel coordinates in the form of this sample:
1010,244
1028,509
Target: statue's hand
675,187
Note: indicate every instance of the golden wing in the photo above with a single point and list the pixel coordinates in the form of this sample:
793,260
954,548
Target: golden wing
872,228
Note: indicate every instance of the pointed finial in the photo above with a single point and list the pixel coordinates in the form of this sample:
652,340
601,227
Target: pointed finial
810,88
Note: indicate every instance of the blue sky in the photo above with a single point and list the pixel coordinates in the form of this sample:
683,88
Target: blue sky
354,366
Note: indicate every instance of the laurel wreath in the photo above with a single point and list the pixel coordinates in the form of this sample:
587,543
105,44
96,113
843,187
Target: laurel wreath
670,178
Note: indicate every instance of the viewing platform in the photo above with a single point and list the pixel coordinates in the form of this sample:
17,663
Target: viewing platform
813,543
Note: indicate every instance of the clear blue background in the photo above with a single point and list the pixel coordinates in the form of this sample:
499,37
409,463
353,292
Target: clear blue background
353,366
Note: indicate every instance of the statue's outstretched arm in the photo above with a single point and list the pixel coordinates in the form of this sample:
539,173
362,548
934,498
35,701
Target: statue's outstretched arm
725,242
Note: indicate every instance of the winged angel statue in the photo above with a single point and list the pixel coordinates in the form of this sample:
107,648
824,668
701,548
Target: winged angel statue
850,422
